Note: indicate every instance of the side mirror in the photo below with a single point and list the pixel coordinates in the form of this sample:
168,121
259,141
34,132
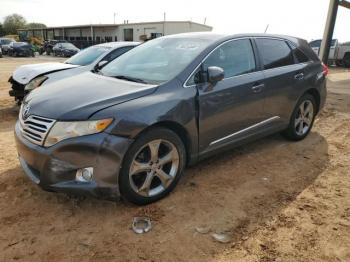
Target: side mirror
215,74
101,64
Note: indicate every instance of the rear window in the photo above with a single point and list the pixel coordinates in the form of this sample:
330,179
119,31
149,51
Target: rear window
275,53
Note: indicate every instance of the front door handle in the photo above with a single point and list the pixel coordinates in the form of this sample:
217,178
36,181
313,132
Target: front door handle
258,88
299,76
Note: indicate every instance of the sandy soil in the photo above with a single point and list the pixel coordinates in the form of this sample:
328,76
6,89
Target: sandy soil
278,200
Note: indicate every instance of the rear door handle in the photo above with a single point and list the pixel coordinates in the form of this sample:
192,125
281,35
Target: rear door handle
258,88
299,76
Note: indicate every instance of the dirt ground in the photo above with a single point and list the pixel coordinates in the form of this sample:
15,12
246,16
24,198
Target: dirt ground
278,200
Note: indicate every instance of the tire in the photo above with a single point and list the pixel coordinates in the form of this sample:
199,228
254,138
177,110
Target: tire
133,177
339,63
299,127
346,60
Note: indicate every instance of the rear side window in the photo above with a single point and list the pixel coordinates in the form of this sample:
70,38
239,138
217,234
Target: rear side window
235,57
275,53
299,55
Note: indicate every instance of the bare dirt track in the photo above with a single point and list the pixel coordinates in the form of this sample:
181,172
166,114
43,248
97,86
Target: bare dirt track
280,201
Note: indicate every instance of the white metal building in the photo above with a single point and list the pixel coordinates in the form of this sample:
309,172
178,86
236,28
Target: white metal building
115,32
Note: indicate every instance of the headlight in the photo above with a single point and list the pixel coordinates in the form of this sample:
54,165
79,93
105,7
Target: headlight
64,130
36,82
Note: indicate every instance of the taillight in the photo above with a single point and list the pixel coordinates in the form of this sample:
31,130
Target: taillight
325,69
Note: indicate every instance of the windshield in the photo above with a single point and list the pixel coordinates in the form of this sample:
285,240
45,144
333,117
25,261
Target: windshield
317,43
68,45
156,61
87,56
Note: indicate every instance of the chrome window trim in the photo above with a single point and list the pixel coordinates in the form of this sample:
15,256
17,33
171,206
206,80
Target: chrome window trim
250,38
269,120
212,51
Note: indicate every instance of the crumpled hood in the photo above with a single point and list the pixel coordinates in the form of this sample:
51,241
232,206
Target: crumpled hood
24,74
80,96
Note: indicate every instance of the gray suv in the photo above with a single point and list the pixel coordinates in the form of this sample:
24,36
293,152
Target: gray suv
131,128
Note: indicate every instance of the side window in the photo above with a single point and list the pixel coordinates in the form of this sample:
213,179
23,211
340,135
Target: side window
235,57
275,53
299,55
116,53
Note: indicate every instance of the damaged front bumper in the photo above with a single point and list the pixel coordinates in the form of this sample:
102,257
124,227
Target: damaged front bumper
55,168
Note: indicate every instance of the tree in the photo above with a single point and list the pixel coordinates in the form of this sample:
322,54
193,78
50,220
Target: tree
13,22
35,26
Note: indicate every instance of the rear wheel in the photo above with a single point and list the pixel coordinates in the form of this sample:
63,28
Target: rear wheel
346,60
302,118
152,166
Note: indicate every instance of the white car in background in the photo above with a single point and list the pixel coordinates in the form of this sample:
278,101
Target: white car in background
28,77
338,53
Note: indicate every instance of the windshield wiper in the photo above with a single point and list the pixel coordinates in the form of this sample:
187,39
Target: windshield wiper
132,79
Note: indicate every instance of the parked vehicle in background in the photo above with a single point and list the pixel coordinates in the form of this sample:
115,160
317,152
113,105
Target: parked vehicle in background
0,52
5,44
49,44
28,77
133,126
338,53
65,49
20,49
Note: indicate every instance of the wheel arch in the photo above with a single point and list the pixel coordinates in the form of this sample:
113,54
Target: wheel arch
316,94
177,129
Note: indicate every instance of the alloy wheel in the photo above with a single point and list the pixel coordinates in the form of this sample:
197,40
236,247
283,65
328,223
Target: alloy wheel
154,167
304,118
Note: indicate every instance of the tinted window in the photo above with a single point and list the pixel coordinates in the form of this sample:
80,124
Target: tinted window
299,55
87,56
235,57
275,53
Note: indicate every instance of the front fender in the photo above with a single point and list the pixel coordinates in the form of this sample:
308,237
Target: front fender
171,103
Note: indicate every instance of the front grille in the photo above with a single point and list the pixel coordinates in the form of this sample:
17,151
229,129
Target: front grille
35,128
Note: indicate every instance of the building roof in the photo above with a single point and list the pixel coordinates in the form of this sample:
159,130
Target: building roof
113,25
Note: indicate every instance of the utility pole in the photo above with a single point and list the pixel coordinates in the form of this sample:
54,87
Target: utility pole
328,31
329,28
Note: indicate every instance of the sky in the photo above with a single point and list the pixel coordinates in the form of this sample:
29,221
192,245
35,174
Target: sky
300,18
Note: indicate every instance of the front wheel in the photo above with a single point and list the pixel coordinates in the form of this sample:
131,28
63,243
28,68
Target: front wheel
302,118
152,166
